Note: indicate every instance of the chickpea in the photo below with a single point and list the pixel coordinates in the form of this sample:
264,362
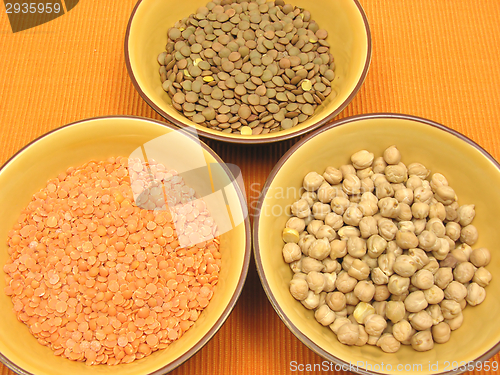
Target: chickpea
403,212
351,299
371,262
308,219
445,195
359,270
450,309
433,295
482,277
438,180
428,241
388,343
387,229
347,169
347,262
368,226
384,190
345,283
367,185
379,179
386,263
419,225
338,249
423,279
305,243
299,289
475,294
441,333
334,220
310,264
396,173
332,175
404,196
301,209
326,232
415,301
379,165
312,181
352,215
356,247
320,210
351,184
392,155
368,207
437,211
453,230
456,322
312,300
326,193
466,214
363,336
420,210
372,340
405,266
452,212
395,311
432,266
413,182
422,195
443,277
464,272
419,257
406,226
379,277
338,323
406,240
316,281
376,245
421,320
398,285
480,257
375,324
437,227
381,293
348,334
455,291
362,310
422,341
291,252
336,301
419,170
364,290
296,266
469,235
441,251
388,207
313,226
339,205
330,265
310,196
380,308
299,275
362,159
402,330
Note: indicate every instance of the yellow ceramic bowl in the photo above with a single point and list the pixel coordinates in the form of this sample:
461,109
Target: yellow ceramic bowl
73,145
470,170
349,37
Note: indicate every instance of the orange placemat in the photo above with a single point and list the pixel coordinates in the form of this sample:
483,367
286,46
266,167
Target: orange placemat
435,59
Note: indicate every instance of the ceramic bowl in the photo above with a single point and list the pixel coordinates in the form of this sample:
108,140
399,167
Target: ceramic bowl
98,139
349,37
470,170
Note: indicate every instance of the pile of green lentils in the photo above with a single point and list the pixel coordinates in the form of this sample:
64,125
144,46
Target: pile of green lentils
247,67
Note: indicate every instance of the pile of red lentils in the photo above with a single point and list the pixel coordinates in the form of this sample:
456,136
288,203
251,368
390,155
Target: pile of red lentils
100,280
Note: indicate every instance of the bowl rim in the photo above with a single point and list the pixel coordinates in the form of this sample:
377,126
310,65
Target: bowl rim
246,261
255,232
230,138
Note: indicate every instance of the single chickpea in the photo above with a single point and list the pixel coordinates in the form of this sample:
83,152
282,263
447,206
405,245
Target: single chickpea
435,312
359,270
371,262
362,310
443,277
405,266
345,283
466,214
450,309
368,226
416,302
296,266
402,331
364,173
324,315
348,334
422,341
347,169
332,175
453,230
423,279
338,323
368,208
396,173
441,333
347,262
379,179
455,291
387,229
326,193
364,290
403,212
419,170
480,257
330,265
464,272
316,281
395,311
445,195
419,225
313,226
330,281
356,247
452,212
432,266
362,159
404,196
379,165
367,185
420,210
428,241
351,184
381,293
376,245
339,205
423,195
310,264
301,209
305,243
336,301
380,307
379,277
456,322
311,301
386,263
398,285
290,235
388,207
421,320
482,277
310,196
438,180
437,211
392,155
338,249
320,210
413,182
475,294
384,190
419,257
436,226
326,232
291,252
433,295
312,181
352,215
388,343
406,226
299,289
374,324
351,299
406,240
296,223
334,221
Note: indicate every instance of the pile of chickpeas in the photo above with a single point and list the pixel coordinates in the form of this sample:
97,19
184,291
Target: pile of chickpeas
383,253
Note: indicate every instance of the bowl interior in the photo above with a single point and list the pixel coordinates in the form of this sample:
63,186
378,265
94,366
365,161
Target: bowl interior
475,179
348,37
74,145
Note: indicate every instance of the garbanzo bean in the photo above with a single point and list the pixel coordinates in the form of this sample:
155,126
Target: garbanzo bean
388,343
480,257
422,341
441,333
